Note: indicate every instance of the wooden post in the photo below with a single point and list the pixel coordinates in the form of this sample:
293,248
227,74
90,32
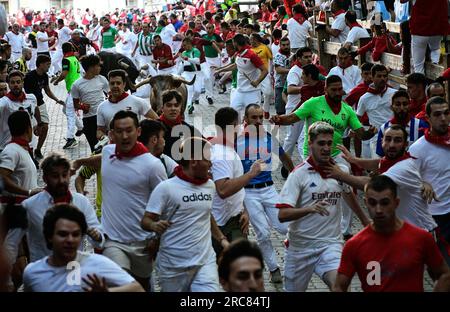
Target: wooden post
322,37
447,83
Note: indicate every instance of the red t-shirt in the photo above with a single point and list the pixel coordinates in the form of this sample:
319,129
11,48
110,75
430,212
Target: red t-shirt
163,52
401,256
52,33
353,97
429,20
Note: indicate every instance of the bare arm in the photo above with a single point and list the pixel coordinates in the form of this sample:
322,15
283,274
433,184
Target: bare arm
217,233
290,214
287,162
351,200
92,161
281,70
365,134
51,95
229,67
61,77
12,187
151,223
285,120
293,90
368,164
342,283
80,183
333,171
151,115
132,287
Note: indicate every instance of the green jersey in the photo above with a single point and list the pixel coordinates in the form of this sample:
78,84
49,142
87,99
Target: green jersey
108,38
209,49
72,65
317,109
144,43
193,53
234,74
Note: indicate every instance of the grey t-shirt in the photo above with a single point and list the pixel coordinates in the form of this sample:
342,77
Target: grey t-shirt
90,91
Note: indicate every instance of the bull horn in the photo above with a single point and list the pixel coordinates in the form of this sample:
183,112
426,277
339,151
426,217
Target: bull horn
123,65
143,82
189,83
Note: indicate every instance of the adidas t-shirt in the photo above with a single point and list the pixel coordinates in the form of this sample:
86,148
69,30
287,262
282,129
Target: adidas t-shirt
187,241
317,109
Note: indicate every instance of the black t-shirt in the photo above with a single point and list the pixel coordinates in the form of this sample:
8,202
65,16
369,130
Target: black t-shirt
32,38
80,46
34,84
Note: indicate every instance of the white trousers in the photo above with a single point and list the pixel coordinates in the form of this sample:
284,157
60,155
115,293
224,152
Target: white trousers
143,60
32,61
194,90
209,74
294,136
240,100
419,46
74,122
268,92
167,71
57,57
260,205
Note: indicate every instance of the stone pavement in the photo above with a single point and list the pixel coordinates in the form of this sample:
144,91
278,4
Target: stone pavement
204,112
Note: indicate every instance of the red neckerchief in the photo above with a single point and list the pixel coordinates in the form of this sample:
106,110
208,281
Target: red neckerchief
296,62
105,29
386,163
14,98
66,199
395,121
372,90
299,18
318,169
180,173
22,142
422,116
137,150
416,107
443,140
338,13
355,24
171,123
121,97
69,54
336,108
243,50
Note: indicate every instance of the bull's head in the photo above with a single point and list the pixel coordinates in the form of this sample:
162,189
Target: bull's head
162,83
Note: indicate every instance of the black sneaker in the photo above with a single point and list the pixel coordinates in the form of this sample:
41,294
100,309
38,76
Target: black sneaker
70,143
38,155
210,100
284,173
224,89
79,133
190,109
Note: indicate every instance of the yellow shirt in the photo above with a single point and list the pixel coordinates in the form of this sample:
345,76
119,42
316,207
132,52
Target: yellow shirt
264,53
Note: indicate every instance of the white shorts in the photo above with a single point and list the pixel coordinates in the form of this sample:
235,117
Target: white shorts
240,100
301,263
132,257
44,113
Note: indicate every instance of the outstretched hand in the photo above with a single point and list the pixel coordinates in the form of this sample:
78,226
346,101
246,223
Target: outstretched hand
95,284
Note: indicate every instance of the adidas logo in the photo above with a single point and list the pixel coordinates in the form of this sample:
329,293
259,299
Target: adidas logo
312,184
197,197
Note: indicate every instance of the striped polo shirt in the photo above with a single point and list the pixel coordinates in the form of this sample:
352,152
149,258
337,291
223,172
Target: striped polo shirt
144,42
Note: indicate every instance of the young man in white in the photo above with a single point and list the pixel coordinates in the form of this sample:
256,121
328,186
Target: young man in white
350,74
251,72
299,28
64,227
94,31
126,42
42,40
56,175
143,48
15,100
126,242
376,102
397,164
260,194
356,33
186,259
87,93
312,202
17,41
120,100
339,30
432,152
64,35
228,175
294,83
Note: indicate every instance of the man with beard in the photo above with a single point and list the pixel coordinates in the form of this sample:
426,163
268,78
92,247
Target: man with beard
398,165
433,152
401,108
282,66
56,175
398,249
376,102
260,193
312,202
64,226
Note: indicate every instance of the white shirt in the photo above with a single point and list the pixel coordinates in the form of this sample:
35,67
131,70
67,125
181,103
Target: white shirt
64,35
275,48
187,242
7,107
167,34
303,188
126,188
356,33
412,208
17,159
294,78
94,33
17,42
351,76
377,107
42,46
127,47
246,66
434,167
36,207
226,164
90,91
169,164
298,34
40,276
339,23
107,110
